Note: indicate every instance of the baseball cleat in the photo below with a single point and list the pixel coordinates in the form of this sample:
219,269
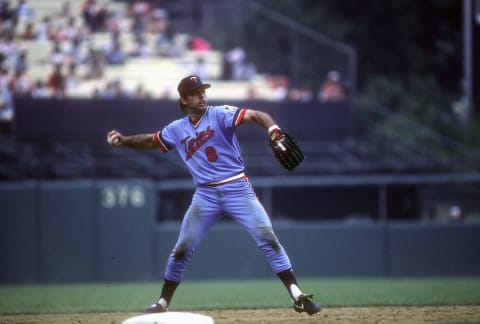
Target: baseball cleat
156,308
305,304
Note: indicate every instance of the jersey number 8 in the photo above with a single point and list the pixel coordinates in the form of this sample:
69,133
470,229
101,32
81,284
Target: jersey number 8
211,154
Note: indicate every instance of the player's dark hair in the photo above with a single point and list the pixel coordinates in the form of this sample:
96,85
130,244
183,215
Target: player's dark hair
183,108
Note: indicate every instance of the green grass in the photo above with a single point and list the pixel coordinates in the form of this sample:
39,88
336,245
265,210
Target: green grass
133,297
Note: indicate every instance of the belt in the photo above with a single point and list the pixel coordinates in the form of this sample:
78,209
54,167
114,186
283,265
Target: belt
238,176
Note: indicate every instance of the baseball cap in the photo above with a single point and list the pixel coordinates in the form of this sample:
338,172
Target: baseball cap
190,83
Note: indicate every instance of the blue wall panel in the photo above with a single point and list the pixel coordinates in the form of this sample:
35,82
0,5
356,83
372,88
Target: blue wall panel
18,233
125,215
438,250
318,249
66,211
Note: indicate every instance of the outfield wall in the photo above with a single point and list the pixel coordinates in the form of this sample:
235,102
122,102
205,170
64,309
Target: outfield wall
85,231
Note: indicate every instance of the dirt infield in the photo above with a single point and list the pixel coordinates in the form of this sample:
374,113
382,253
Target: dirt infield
439,314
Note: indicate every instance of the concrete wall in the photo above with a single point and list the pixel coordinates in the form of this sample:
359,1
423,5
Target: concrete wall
84,231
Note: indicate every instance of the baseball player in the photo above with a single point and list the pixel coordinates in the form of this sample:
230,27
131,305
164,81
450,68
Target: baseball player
205,140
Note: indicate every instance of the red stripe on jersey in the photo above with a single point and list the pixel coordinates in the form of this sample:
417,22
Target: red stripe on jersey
240,117
160,143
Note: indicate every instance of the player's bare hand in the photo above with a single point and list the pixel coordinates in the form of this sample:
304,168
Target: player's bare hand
114,138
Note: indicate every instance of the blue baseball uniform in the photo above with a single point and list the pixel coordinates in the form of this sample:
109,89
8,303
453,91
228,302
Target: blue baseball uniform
211,152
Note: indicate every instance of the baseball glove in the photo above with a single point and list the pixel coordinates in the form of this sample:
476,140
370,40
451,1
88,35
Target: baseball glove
285,149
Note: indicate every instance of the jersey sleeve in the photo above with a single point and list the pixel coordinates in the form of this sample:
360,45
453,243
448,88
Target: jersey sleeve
230,116
165,138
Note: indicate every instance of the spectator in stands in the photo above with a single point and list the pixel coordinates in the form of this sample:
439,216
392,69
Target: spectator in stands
139,12
113,90
20,61
8,48
158,22
141,7
44,30
249,71
40,90
94,15
57,82
199,44
6,106
78,30
163,44
8,17
6,99
108,92
57,56
28,32
74,52
332,90
301,94
201,69
113,21
4,77
116,56
141,93
65,10
455,214
72,31
279,84
140,47
59,34
120,90
6,12
20,84
96,93
139,25
95,61
109,44
234,63
24,12
68,31
24,15
252,92
86,11
71,79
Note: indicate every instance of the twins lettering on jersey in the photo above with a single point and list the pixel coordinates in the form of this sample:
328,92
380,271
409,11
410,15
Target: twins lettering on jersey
192,145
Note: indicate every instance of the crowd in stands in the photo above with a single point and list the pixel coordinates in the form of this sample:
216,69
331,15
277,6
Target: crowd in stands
70,31
331,89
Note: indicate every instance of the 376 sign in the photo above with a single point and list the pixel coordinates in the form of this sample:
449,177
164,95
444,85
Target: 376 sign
122,196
